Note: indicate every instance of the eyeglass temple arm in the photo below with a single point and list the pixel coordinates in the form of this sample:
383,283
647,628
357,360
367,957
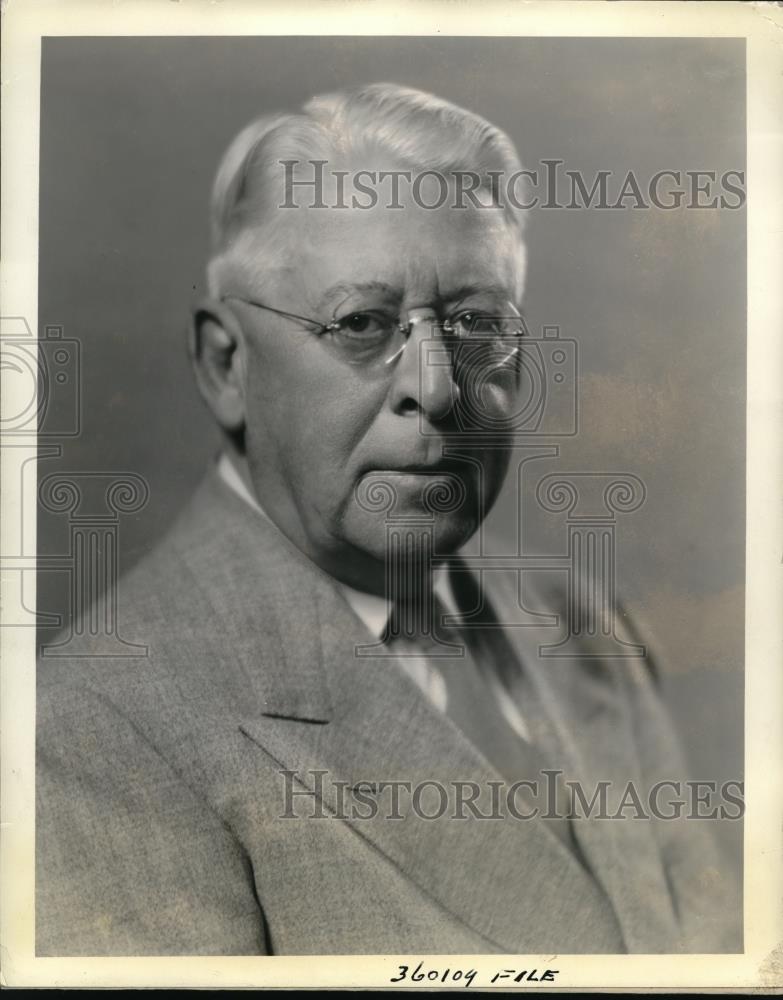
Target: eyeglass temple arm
278,312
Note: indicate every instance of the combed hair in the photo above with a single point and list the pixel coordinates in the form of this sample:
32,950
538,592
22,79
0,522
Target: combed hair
417,129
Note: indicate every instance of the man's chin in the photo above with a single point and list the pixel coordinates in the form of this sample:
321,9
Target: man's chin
411,535
410,516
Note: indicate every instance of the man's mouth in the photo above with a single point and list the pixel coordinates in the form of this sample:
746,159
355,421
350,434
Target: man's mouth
417,479
440,467
418,470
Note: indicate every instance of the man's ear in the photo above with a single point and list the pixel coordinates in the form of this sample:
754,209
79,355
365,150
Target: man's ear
216,351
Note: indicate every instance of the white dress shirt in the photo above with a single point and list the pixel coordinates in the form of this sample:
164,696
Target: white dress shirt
374,612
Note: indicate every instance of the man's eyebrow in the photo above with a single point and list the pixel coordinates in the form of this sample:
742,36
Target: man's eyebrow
343,289
335,293
472,288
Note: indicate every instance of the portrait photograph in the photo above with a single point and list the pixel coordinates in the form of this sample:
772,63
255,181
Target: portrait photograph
389,503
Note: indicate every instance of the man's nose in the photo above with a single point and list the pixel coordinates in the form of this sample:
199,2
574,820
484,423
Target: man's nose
423,378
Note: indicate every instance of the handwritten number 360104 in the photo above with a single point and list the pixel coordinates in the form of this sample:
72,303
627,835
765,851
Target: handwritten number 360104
466,976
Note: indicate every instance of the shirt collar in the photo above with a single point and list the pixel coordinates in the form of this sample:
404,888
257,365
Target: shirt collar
373,610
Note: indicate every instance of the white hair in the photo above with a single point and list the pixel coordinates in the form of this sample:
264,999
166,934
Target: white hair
417,129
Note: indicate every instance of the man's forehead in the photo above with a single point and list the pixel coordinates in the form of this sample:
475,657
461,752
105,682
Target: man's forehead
405,253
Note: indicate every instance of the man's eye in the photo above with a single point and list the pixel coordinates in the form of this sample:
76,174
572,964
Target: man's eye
476,323
364,325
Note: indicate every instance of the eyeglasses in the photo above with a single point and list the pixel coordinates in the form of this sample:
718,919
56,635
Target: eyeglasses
484,337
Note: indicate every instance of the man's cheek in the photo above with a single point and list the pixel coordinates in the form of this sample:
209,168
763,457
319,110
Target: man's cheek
322,485
488,470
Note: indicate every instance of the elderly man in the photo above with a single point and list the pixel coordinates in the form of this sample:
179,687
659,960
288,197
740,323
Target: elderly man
316,754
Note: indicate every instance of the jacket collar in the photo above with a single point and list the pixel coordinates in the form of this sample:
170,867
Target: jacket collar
267,598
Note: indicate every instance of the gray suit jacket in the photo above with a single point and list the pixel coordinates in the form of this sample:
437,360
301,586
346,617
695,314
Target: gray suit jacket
161,824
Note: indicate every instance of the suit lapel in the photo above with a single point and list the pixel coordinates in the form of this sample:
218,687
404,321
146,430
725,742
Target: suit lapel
510,880
260,588
581,718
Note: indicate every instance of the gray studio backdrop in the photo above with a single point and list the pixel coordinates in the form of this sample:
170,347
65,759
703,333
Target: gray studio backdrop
131,132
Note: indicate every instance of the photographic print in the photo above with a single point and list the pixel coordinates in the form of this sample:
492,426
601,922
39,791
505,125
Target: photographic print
378,451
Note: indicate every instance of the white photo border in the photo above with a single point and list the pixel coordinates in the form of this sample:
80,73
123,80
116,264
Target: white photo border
26,22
